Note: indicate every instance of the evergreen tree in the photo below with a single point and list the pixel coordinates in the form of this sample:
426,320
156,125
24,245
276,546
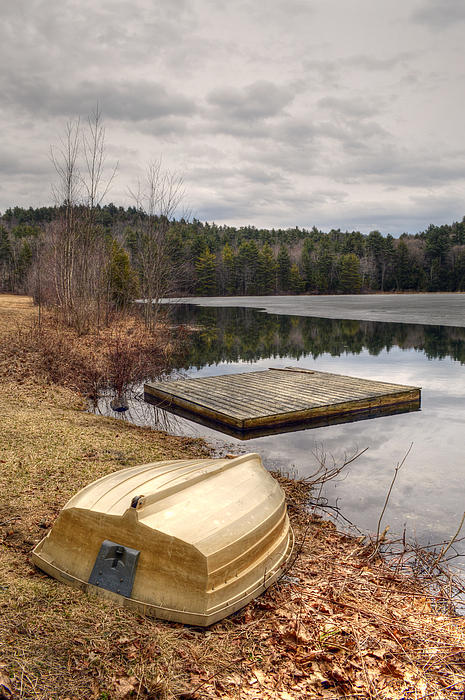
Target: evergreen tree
283,269
5,246
438,245
266,273
403,271
228,270
122,279
247,267
325,267
198,245
25,231
23,264
296,283
5,260
308,264
459,272
205,266
131,242
354,242
383,252
458,232
350,279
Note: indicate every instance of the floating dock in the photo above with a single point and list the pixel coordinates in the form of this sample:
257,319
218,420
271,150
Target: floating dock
278,397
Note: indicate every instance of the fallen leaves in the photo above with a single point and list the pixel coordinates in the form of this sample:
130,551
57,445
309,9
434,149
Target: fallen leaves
123,687
373,636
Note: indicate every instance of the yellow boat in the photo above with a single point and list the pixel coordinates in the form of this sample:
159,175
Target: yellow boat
184,540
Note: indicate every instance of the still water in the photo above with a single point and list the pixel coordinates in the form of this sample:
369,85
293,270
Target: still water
429,495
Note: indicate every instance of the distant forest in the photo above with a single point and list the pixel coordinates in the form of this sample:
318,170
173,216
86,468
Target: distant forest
207,259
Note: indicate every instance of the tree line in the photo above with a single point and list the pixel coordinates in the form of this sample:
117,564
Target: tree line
107,255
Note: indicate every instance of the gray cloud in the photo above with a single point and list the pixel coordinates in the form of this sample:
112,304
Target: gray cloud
163,128
390,166
12,165
125,100
374,63
261,175
337,73
324,72
446,13
260,100
277,14
350,106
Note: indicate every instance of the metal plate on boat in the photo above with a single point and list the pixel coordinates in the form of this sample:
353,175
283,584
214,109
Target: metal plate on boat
115,568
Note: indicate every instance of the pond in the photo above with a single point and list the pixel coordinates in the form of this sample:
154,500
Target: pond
428,497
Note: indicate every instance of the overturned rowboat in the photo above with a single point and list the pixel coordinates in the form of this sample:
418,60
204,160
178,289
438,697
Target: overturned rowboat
184,540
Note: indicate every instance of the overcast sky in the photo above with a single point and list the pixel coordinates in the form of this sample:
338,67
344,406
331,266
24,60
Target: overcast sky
276,112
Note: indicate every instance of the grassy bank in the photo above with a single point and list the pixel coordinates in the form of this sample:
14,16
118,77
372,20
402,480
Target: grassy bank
338,625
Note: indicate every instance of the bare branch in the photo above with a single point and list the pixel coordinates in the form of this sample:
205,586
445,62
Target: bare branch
93,146
64,159
445,549
396,471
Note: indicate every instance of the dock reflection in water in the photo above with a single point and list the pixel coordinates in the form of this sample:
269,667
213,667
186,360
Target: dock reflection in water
162,408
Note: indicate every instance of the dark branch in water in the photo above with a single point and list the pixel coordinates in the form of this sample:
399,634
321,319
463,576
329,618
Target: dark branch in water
379,538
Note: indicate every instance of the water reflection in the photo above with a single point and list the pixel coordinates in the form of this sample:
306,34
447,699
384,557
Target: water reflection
162,406
429,495
247,335
142,413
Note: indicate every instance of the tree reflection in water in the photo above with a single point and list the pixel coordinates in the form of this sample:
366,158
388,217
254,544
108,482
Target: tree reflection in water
239,334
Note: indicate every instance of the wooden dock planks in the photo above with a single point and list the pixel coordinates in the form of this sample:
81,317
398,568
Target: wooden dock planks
277,396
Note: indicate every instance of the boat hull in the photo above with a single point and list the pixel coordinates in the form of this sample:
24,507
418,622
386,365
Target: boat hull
209,536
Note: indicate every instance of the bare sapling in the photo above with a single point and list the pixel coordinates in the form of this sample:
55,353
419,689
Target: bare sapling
94,258
325,473
64,233
74,256
157,198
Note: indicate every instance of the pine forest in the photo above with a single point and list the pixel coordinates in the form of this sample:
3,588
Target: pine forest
206,259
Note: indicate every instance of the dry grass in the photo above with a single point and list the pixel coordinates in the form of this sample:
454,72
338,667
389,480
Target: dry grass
337,626
113,357
14,310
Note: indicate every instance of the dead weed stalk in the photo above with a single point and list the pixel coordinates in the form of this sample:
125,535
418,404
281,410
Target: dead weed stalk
379,539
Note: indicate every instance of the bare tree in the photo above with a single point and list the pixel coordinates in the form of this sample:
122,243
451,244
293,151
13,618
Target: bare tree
65,232
93,273
157,198
93,143
77,255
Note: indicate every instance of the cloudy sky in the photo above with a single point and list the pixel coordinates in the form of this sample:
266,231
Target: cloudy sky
276,112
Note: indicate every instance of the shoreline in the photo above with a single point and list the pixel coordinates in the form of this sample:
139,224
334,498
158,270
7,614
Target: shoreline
339,623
